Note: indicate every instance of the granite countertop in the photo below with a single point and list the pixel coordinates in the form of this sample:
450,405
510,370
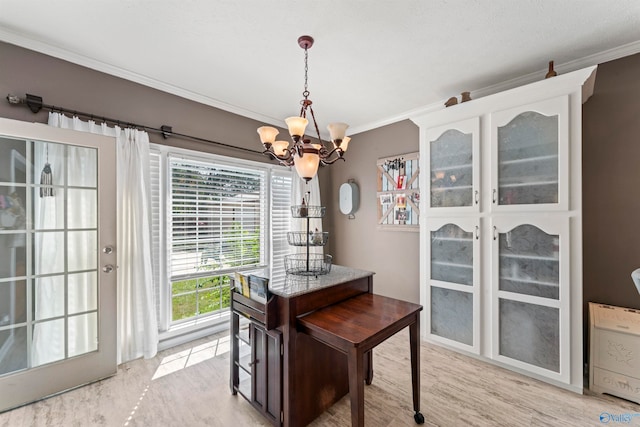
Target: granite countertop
293,285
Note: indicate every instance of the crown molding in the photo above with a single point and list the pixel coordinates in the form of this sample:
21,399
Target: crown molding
587,61
85,61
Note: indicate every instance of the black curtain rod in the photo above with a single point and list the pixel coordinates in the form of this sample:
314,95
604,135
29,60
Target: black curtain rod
35,104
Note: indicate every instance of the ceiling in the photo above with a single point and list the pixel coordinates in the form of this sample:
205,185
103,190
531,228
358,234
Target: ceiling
374,62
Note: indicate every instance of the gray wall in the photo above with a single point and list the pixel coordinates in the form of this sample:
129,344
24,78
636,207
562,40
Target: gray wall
611,156
392,255
611,184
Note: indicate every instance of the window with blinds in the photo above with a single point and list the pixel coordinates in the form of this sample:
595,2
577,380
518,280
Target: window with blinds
212,216
217,226
217,217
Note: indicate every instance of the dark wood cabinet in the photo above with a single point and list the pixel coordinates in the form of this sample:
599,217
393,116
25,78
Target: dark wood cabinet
256,357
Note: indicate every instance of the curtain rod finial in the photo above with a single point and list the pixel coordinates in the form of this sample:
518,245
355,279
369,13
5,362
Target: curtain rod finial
14,99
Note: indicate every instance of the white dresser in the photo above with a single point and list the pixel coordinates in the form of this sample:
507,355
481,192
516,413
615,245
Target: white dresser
615,351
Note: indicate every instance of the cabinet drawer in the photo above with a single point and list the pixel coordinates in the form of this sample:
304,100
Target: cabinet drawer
616,352
263,313
616,384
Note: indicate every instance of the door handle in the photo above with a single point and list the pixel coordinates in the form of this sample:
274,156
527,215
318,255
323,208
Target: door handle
107,250
107,268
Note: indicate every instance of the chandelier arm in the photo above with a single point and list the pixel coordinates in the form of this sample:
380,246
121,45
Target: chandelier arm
325,156
286,160
315,124
330,162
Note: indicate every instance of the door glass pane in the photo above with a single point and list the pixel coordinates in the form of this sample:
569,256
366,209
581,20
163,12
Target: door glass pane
48,212
13,350
13,162
452,314
13,302
83,292
48,342
452,255
13,214
82,208
13,255
530,262
48,297
530,333
451,169
82,167
83,334
83,251
528,160
48,252
51,177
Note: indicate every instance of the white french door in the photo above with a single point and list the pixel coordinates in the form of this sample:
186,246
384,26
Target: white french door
57,260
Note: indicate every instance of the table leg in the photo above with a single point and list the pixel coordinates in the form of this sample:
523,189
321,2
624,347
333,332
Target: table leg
368,366
414,339
355,360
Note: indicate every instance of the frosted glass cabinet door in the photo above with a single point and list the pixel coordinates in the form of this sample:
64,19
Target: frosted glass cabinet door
530,277
453,280
453,164
530,155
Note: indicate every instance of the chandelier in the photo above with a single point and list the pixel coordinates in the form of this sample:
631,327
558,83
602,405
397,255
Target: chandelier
304,155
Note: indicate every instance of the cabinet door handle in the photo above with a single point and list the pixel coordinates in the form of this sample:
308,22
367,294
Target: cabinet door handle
477,197
495,233
252,363
477,232
494,198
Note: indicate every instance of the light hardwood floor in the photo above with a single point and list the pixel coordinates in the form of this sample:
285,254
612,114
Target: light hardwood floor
189,386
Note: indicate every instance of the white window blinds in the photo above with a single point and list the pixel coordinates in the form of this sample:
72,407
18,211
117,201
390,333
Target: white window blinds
280,220
217,218
157,260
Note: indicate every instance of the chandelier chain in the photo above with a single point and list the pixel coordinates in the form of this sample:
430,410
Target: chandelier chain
306,71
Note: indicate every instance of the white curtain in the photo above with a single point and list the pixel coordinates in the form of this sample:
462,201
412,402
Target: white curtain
311,190
48,297
137,326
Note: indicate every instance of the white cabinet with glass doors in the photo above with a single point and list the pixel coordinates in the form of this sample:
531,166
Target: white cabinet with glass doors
505,171
453,254
529,156
530,294
453,162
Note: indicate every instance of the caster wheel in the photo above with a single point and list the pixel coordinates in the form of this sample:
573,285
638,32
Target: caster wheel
419,418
